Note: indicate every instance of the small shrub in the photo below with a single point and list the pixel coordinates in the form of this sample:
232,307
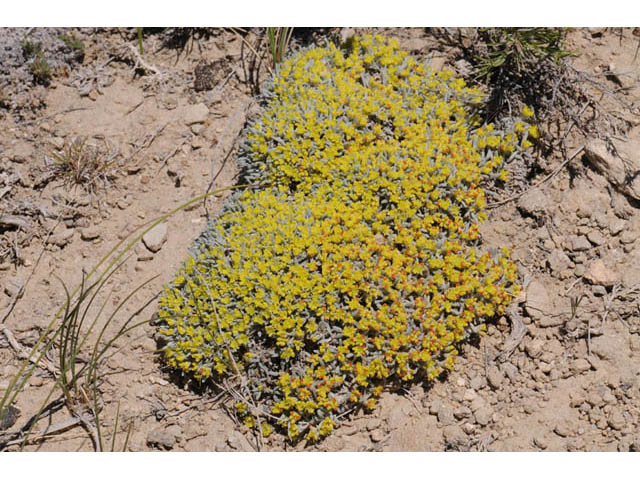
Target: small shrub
31,49
74,44
362,268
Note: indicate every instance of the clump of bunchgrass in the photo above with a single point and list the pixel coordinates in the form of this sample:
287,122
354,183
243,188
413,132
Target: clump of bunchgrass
79,340
82,163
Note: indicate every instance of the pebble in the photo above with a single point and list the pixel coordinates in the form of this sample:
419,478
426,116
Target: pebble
162,438
580,365
36,381
237,441
537,299
469,395
533,203
628,237
445,416
616,225
540,442
62,238
559,261
373,424
534,348
599,274
495,377
13,286
565,428
198,142
90,233
195,114
462,412
454,435
616,419
483,415
155,238
596,238
511,371
21,152
478,382
377,436
197,128
579,243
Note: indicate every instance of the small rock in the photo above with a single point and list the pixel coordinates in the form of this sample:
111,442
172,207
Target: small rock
469,395
579,243
596,238
13,286
57,143
599,274
377,436
565,428
198,142
495,377
478,403
417,44
581,365
36,381
478,382
468,428
607,348
155,238
195,114
616,225
454,435
237,441
534,203
616,419
90,233
9,418
618,168
93,94
462,412
197,128
599,290
511,371
538,300
540,442
483,415
534,348
551,321
529,405
628,237
21,152
445,416
559,261
373,424
161,438
61,239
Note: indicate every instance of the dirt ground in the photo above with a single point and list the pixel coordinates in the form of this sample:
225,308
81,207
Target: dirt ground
561,372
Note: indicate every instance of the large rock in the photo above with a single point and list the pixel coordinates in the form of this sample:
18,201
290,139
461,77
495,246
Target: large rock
621,168
155,238
538,301
599,274
195,114
534,203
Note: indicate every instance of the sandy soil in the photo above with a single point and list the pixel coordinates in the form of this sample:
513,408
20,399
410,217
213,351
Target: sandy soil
546,377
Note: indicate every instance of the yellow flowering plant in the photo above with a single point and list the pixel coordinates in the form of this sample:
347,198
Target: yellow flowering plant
362,268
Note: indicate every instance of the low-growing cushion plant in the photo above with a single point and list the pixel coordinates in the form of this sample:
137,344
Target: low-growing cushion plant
360,267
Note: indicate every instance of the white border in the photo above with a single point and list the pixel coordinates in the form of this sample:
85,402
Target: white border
387,13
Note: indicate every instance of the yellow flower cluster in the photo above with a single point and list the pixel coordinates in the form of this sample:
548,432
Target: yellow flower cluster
362,267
